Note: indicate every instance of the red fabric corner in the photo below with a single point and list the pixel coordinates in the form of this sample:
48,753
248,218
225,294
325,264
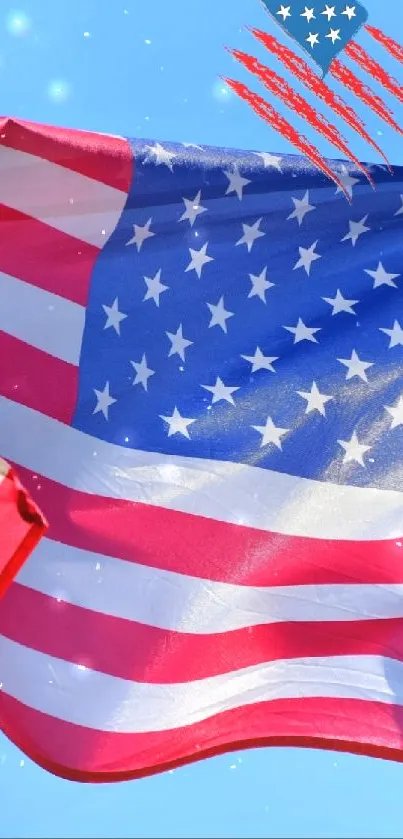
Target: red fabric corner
22,525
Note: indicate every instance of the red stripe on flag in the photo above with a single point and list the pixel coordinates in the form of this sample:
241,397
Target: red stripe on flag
83,754
49,259
363,92
280,88
367,63
283,127
91,639
102,158
34,378
393,48
21,525
189,544
300,69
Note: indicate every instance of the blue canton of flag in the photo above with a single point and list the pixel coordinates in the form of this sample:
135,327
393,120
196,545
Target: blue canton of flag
322,30
244,311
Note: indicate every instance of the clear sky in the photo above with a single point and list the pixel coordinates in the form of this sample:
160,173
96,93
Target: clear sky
150,68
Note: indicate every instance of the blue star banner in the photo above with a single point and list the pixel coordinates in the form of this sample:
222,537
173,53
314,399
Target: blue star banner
322,30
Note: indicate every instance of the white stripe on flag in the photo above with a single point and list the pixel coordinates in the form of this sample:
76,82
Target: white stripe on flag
108,703
41,319
225,491
182,603
66,200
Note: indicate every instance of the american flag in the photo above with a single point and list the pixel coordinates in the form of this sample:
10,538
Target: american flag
201,386
323,31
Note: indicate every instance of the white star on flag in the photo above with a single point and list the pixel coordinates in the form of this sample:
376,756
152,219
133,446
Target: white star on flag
396,413
395,335
341,304
236,183
270,159
221,392
349,11
271,433
114,317
347,181
141,234
315,400
198,260
302,332
313,39
301,208
219,314
285,12
104,401
193,209
154,288
178,343
334,35
178,424
354,450
381,277
259,361
400,210
357,228
329,11
251,232
309,14
159,156
307,257
356,367
260,285
143,372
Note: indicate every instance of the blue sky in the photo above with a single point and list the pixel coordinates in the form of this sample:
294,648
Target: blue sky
151,69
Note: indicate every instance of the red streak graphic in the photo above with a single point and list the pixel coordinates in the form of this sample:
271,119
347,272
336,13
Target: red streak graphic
395,49
363,92
280,88
280,124
361,57
299,68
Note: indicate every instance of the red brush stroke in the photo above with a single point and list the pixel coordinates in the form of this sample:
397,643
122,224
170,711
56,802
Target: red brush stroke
315,85
280,124
395,49
280,88
361,57
345,76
